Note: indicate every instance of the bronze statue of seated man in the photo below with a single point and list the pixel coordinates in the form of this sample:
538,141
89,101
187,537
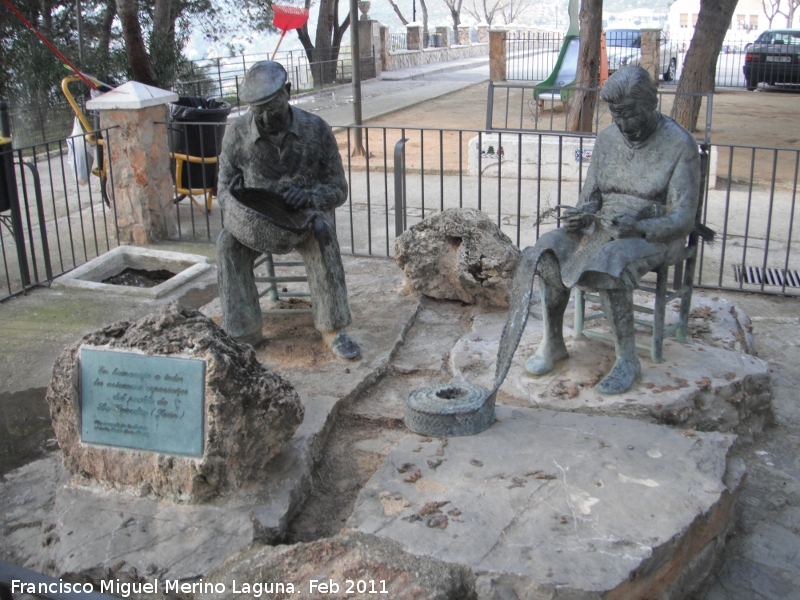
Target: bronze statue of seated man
636,208
280,179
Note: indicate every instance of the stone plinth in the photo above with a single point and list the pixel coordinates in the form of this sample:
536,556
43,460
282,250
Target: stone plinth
464,38
545,504
414,36
699,385
139,157
444,33
498,62
483,33
250,413
650,57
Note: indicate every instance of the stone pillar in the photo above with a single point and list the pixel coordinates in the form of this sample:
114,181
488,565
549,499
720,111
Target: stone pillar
369,38
384,45
497,55
463,35
483,33
444,32
139,158
414,36
651,47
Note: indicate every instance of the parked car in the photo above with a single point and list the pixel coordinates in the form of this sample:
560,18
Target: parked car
773,58
623,47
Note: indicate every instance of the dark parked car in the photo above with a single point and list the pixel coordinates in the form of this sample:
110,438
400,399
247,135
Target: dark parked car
773,58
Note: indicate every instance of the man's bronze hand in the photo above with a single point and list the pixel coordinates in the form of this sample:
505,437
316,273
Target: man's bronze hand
297,199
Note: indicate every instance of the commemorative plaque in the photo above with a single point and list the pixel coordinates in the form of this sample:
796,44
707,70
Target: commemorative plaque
144,402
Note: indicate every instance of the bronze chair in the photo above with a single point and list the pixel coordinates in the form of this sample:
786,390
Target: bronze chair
272,280
682,288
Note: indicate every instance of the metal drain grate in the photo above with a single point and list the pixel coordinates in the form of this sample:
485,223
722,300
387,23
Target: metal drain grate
768,276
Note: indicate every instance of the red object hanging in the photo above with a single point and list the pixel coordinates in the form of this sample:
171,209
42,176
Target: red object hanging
286,18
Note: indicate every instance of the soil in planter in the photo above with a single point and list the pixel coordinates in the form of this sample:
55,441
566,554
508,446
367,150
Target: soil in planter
140,278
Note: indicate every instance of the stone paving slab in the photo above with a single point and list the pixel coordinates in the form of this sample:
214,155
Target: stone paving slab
697,386
548,503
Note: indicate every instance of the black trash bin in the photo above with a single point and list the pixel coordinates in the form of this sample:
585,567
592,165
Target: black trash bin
196,126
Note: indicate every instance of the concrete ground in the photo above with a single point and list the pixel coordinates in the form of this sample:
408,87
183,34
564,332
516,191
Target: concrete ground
761,560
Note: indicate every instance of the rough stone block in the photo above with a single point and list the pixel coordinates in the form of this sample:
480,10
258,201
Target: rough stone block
697,386
373,566
250,412
459,254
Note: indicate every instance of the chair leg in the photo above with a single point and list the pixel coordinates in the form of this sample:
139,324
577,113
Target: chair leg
273,286
580,311
659,310
682,332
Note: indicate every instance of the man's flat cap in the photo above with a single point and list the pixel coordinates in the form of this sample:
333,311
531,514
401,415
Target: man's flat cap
262,82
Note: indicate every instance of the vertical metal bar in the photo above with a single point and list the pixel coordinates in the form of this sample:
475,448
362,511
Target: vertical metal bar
386,188
71,237
508,101
422,169
37,189
480,169
26,204
499,175
725,219
558,186
111,183
13,196
539,187
369,196
461,168
791,221
101,170
55,213
769,212
441,170
399,185
219,78
350,192
519,187
747,217
490,106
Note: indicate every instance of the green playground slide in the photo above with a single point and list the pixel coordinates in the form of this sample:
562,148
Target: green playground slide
565,71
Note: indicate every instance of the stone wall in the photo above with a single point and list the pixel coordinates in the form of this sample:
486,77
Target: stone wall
415,58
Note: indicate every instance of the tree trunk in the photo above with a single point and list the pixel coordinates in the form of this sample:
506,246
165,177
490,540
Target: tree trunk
700,66
399,14
582,102
104,35
135,50
425,32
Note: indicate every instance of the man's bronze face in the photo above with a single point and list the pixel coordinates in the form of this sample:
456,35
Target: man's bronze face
634,121
271,116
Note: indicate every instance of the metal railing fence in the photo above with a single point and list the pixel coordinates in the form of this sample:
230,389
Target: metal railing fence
51,223
220,77
511,105
519,178
534,58
397,41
